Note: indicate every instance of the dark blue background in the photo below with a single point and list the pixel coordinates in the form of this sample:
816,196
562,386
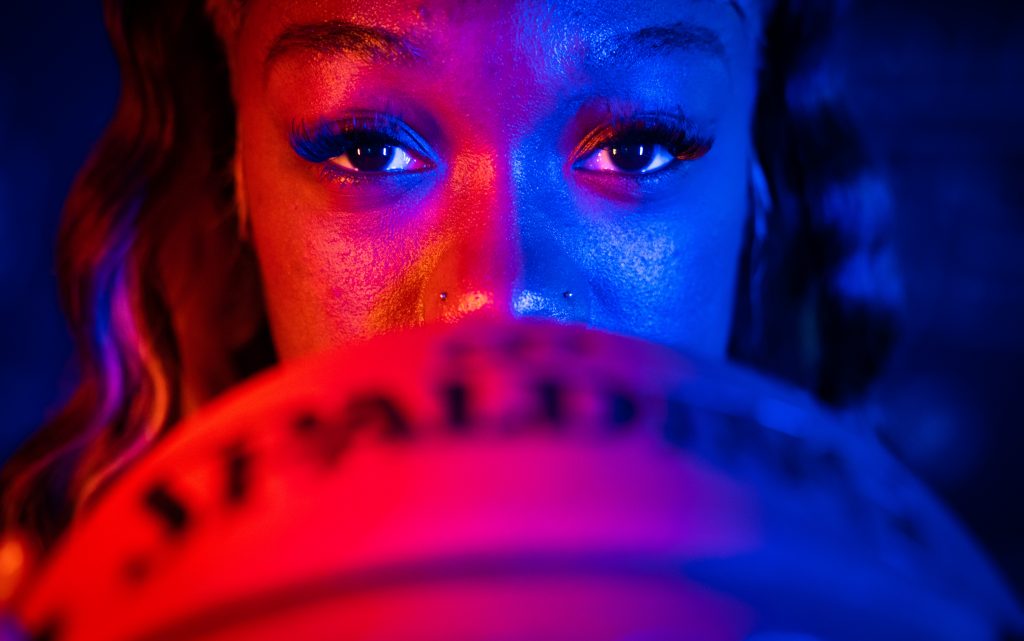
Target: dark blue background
58,86
937,91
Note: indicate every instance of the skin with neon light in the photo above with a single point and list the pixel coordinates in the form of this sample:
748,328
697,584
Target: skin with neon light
403,163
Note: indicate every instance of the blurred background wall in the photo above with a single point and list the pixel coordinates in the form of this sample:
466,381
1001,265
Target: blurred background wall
936,87
937,91
58,86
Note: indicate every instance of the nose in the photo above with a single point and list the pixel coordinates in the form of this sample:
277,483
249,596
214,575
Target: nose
501,255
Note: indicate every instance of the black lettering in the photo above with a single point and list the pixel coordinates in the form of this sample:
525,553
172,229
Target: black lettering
169,509
622,410
322,441
50,631
363,413
329,441
238,472
550,395
375,411
456,398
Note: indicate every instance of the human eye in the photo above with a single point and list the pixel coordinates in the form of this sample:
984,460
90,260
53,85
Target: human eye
363,146
641,145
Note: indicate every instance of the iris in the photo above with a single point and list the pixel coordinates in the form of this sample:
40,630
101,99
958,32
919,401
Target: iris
367,154
632,157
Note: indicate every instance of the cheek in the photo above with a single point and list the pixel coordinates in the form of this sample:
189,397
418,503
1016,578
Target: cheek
667,272
331,276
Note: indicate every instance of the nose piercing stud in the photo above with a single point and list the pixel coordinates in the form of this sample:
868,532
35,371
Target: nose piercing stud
443,296
567,295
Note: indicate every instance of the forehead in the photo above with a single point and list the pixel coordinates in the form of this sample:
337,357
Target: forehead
552,36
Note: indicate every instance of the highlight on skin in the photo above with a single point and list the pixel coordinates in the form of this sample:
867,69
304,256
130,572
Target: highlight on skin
612,165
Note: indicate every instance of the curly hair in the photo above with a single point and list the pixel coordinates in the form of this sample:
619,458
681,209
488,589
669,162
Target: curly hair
154,276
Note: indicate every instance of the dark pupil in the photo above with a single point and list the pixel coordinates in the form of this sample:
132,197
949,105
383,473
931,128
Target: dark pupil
366,154
632,156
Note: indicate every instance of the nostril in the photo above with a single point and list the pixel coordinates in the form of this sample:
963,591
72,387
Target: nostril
568,305
451,304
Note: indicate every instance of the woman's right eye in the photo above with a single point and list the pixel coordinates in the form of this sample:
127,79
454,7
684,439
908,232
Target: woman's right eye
372,153
371,146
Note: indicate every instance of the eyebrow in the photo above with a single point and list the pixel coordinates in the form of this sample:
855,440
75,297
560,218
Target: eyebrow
377,44
738,8
372,44
679,36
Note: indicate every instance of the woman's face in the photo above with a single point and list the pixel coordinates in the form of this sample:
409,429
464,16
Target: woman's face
412,161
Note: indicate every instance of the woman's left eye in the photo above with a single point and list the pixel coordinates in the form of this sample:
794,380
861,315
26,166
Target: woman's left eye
645,145
369,153
628,157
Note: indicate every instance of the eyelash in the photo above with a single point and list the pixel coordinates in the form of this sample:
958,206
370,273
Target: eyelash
330,139
679,135
326,140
